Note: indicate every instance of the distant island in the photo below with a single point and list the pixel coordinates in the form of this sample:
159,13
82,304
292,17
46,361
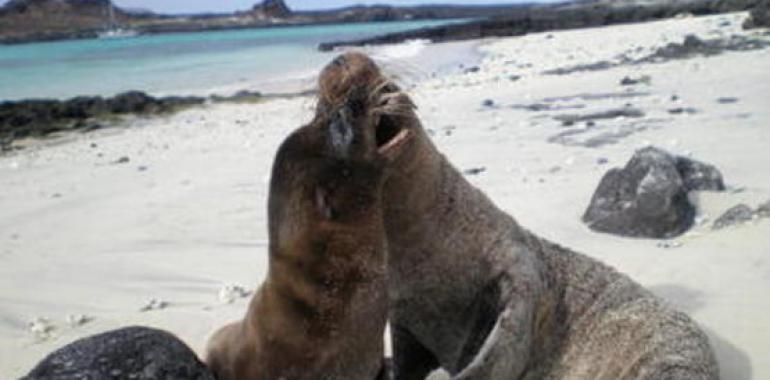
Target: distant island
567,15
48,20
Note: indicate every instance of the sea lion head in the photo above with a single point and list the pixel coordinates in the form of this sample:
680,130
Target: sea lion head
353,81
332,169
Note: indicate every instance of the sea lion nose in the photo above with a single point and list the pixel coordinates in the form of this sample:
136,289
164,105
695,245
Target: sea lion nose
341,134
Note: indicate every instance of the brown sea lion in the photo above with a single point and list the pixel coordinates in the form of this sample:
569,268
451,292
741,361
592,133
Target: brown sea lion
477,294
322,310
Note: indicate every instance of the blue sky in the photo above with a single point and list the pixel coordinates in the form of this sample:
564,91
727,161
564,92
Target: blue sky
193,6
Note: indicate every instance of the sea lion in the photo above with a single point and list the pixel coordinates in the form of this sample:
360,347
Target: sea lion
139,353
478,295
322,311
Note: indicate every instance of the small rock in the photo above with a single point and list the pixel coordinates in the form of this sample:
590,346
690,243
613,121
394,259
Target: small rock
674,98
122,160
763,211
142,168
682,110
40,327
93,145
727,100
154,304
514,78
77,320
554,169
736,215
229,293
475,171
488,103
648,197
628,81
669,244
472,69
602,161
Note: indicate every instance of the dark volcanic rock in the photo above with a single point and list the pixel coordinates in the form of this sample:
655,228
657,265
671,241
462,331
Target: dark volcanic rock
272,9
736,215
764,210
39,117
570,119
628,81
759,17
474,171
131,353
648,197
682,111
699,176
596,66
569,15
694,47
727,100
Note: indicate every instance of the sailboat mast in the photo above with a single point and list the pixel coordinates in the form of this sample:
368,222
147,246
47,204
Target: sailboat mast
112,15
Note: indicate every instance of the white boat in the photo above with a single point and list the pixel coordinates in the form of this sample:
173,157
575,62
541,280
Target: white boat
113,30
118,33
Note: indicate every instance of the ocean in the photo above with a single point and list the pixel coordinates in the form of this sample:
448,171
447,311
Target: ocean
202,63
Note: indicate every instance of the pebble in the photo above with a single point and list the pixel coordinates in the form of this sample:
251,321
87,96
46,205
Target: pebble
76,320
474,171
154,304
41,327
230,292
669,244
122,160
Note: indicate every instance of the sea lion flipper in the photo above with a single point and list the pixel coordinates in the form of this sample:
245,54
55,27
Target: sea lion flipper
506,350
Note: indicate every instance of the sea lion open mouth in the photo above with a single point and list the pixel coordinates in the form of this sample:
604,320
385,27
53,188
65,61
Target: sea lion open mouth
390,136
355,82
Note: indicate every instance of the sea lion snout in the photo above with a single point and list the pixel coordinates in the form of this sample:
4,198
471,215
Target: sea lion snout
361,105
341,134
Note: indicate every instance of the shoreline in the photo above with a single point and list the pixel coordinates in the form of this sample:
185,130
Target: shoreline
173,207
39,118
261,16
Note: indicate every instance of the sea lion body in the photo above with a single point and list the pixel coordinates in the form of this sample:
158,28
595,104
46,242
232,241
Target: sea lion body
139,353
474,293
322,310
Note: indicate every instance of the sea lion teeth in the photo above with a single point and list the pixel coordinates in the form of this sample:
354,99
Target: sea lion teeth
394,143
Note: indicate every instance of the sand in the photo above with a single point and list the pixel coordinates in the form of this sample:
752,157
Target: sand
85,232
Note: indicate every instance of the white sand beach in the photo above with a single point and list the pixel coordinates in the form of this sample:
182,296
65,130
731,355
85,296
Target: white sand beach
173,208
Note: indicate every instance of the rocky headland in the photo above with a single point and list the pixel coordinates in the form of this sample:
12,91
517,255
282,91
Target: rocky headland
45,20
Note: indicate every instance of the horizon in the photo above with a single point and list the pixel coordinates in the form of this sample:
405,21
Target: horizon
225,6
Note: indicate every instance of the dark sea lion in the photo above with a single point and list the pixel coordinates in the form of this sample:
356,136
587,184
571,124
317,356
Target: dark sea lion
475,293
322,310
137,353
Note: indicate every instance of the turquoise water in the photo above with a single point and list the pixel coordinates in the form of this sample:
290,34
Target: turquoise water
184,63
